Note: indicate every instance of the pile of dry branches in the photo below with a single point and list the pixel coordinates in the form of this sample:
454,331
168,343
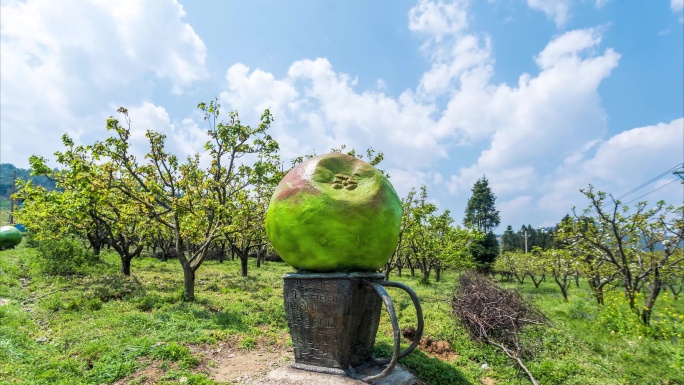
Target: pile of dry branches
495,315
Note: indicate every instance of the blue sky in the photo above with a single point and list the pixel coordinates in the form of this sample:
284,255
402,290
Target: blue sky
541,96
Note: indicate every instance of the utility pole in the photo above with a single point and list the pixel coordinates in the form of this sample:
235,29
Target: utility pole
526,235
680,174
11,216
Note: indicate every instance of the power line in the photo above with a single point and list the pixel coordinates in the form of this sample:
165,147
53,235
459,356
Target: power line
649,182
652,191
632,191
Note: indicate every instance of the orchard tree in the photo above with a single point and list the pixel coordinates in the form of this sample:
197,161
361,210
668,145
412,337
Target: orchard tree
49,214
246,230
195,203
95,203
661,266
408,222
536,266
598,272
450,244
420,238
625,239
434,242
562,266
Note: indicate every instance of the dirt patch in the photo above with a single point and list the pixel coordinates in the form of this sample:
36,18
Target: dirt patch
4,302
437,348
243,366
487,381
434,348
223,363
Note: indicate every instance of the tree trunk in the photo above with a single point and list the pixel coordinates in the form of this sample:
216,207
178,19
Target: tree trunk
386,271
189,282
537,283
520,279
261,256
577,279
438,274
126,265
258,258
563,285
243,264
676,293
425,270
399,271
222,251
628,285
598,293
413,271
652,296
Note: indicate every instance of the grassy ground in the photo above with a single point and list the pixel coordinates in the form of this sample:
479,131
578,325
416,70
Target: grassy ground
100,327
4,215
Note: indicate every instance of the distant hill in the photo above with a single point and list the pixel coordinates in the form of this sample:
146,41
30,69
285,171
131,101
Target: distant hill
7,172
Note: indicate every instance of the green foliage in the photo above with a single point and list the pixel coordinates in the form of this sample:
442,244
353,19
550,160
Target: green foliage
617,317
481,212
65,256
174,352
485,251
430,241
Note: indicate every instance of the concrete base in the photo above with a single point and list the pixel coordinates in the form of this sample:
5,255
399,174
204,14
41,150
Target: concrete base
290,376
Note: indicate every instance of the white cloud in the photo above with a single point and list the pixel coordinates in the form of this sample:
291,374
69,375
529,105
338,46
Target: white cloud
568,46
620,164
547,118
63,61
538,140
627,150
183,138
543,120
318,109
557,10
676,5
601,3
437,18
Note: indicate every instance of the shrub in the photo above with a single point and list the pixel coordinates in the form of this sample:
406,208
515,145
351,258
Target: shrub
65,256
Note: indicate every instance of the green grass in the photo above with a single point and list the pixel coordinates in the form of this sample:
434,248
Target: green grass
4,215
99,327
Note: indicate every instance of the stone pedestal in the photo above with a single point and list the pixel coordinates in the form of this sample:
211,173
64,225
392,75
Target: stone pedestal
290,376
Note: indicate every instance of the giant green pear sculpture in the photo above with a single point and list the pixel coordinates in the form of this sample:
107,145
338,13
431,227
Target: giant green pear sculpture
9,237
334,212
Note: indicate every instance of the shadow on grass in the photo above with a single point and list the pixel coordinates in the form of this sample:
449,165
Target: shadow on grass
432,371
